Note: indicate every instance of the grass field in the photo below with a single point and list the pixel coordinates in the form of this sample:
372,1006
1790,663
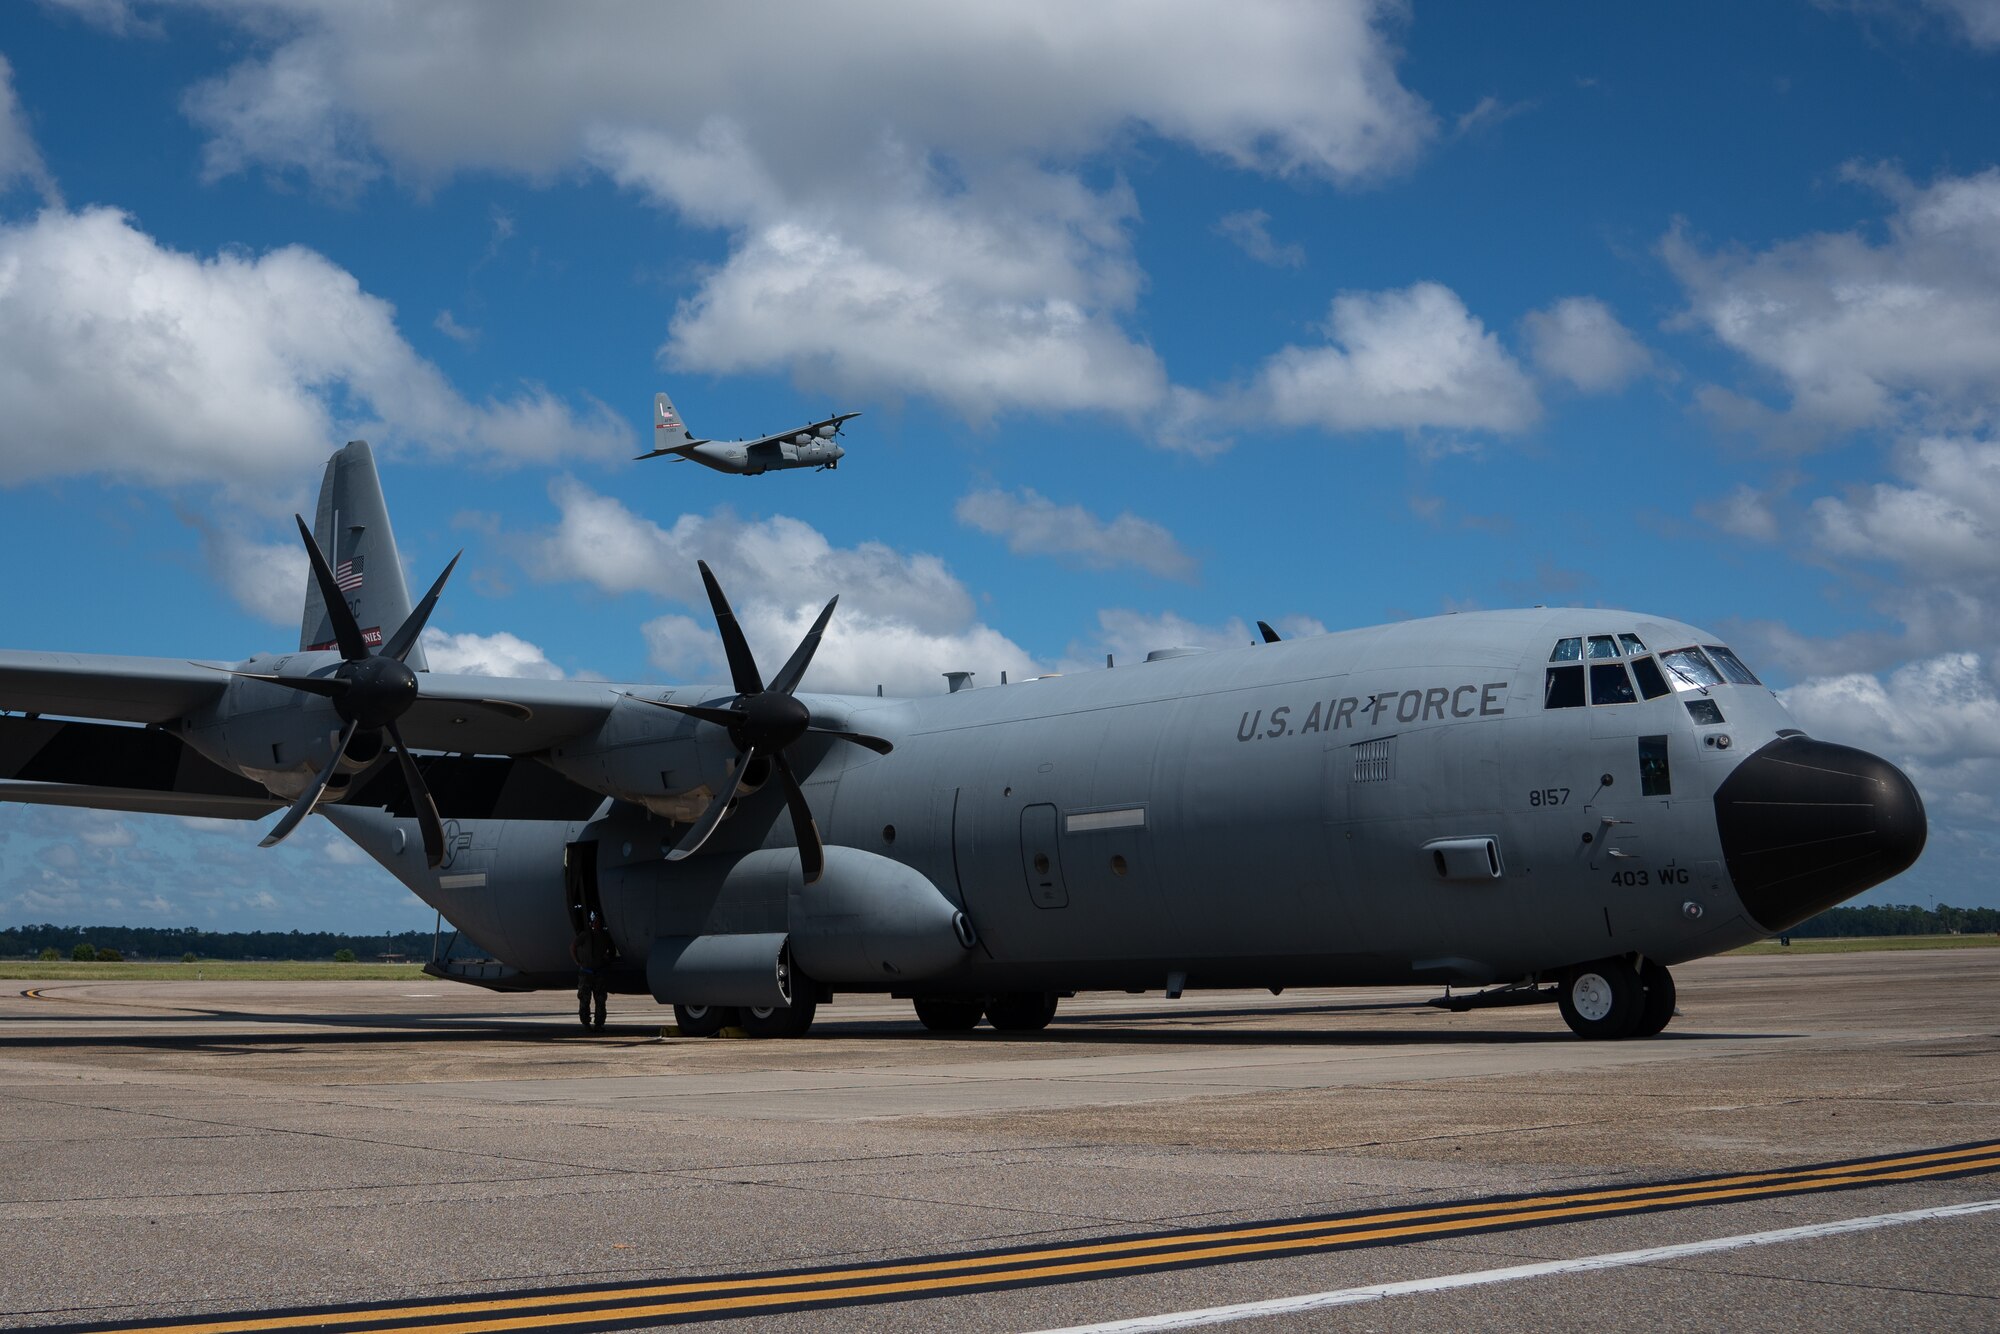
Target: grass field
207,970
1858,944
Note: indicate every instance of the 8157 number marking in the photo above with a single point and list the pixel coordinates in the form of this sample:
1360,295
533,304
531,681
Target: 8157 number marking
1549,796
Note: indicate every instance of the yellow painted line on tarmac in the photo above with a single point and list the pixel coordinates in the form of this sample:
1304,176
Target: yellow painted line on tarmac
646,1303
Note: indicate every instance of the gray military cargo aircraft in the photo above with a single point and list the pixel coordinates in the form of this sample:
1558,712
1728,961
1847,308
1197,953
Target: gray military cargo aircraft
1550,804
808,446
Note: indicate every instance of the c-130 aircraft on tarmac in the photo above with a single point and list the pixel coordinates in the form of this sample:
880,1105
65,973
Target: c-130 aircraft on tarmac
1551,804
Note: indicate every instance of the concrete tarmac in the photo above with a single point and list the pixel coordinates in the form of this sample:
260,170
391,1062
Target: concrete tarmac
171,1149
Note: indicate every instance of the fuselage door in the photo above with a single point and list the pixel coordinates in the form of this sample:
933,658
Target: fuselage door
1041,858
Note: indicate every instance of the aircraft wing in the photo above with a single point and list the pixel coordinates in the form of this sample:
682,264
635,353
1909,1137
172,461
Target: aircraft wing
118,767
90,685
779,437
680,449
109,766
490,715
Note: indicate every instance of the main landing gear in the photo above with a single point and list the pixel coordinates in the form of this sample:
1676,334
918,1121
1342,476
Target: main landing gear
759,1021
1010,1012
1612,998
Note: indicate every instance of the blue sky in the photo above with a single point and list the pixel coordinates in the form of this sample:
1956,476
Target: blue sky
1162,318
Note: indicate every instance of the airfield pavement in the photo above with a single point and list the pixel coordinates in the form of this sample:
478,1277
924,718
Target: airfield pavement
171,1149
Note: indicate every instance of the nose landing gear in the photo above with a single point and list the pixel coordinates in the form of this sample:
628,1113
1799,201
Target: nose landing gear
1613,998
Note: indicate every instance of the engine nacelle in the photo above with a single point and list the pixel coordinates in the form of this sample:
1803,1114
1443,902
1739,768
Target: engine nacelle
721,970
867,921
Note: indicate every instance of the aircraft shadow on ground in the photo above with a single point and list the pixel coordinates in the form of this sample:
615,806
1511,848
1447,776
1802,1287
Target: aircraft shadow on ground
1083,1031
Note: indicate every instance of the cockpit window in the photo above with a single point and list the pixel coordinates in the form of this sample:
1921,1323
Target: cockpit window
1564,688
1690,670
1609,684
1568,650
1631,644
1603,646
1651,684
1731,665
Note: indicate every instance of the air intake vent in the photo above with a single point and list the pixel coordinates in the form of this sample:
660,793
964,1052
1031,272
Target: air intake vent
1466,858
1375,761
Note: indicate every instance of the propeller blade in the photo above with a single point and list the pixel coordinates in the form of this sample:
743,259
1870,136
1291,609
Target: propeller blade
720,717
691,843
1270,636
787,679
420,797
331,687
812,854
405,638
310,797
742,667
345,632
877,744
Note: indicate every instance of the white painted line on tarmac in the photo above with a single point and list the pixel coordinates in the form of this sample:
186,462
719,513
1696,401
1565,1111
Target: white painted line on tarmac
1313,1301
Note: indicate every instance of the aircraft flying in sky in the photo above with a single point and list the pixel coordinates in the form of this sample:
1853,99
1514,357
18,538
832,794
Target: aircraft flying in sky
808,446
1556,804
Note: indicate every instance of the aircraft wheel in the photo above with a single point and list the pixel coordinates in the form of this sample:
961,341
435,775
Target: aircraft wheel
1021,1011
781,1021
1601,999
1656,1011
947,1016
703,1021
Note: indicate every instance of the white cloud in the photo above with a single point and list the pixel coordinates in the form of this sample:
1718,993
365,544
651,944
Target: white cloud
1284,86
598,540
1978,20
1860,334
858,653
119,355
19,158
1033,524
1250,232
500,654
903,619
1744,512
447,324
1399,360
1946,523
1578,339
901,193
267,579
1937,708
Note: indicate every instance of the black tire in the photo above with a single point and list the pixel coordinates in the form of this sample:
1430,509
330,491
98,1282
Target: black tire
1021,1011
1656,1008
1602,999
703,1021
948,1016
783,1021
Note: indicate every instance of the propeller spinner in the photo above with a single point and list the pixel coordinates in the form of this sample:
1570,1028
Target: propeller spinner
369,691
763,721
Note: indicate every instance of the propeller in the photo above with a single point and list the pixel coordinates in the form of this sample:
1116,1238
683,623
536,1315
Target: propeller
369,691
762,721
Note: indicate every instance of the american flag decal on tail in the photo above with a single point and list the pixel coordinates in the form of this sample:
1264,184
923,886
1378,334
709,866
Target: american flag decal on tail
347,574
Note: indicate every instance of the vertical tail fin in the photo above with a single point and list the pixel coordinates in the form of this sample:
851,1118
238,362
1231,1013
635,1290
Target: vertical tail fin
351,526
669,430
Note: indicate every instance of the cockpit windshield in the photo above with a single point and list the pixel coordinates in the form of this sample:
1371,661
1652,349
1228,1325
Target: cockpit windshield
1690,669
1731,665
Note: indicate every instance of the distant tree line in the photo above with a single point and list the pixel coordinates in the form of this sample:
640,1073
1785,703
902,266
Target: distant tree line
1901,919
152,942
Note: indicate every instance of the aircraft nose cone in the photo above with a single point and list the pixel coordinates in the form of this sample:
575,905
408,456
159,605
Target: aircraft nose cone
1806,824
